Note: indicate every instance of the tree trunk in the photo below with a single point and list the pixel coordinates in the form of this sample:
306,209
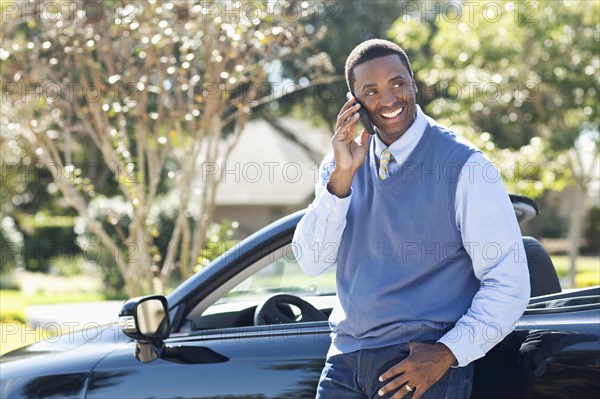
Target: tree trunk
576,224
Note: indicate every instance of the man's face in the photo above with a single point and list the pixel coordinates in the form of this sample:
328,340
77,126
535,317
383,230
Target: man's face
387,90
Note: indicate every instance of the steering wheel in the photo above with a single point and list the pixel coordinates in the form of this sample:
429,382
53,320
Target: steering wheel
277,310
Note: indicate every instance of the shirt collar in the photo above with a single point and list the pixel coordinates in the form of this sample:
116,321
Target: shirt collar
408,141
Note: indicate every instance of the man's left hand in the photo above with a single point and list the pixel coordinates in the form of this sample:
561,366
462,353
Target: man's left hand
423,367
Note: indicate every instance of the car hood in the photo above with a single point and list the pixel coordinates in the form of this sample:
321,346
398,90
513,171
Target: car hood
71,356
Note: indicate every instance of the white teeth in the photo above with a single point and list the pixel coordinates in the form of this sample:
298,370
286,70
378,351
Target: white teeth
393,114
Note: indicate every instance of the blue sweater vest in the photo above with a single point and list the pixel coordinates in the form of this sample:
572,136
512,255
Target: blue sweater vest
403,273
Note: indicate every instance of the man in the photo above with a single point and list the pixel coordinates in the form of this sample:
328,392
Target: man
431,270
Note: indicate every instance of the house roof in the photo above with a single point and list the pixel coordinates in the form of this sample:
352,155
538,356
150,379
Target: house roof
267,168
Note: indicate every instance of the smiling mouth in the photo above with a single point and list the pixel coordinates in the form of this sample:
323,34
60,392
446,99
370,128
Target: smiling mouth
392,114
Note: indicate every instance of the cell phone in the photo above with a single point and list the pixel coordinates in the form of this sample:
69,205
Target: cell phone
364,118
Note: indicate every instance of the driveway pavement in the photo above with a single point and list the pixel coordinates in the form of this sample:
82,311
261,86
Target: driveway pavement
73,316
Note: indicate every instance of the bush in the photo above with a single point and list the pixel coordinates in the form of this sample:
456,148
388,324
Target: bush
587,279
11,240
8,281
46,245
36,242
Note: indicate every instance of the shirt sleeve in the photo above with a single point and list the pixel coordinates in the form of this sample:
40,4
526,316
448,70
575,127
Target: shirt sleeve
318,235
492,238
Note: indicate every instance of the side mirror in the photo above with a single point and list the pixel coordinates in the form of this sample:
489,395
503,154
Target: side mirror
524,207
146,320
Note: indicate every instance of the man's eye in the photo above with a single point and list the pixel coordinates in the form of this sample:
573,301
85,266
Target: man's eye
371,93
398,84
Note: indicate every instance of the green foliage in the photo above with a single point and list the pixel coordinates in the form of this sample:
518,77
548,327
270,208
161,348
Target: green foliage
520,75
343,24
524,77
37,243
549,224
20,188
48,241
11,241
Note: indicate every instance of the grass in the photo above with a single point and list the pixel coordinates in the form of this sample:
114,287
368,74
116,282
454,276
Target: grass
12,306
584,264
588,269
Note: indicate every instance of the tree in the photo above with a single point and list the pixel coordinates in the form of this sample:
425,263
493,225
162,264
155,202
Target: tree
162,90
348,23
521,78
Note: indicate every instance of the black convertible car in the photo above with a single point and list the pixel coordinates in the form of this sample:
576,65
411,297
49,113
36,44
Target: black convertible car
251,325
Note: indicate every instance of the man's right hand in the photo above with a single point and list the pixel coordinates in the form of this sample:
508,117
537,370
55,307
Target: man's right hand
349,153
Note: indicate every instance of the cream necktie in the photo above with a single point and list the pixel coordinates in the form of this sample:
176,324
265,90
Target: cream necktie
384,161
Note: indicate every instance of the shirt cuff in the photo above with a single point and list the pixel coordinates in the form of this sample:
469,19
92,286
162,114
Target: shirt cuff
460,341
330,207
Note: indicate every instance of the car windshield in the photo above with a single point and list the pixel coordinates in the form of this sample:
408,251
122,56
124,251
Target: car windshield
282,275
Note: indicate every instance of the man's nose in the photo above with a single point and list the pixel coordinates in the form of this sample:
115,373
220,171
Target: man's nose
388,98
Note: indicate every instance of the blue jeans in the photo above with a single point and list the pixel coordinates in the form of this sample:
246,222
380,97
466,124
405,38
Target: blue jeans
356,376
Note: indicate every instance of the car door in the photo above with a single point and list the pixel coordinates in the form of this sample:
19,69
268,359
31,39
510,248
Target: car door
220,353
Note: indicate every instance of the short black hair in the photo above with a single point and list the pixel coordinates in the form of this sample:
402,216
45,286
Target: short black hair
369,50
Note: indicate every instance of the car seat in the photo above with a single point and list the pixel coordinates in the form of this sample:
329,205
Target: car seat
542,275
